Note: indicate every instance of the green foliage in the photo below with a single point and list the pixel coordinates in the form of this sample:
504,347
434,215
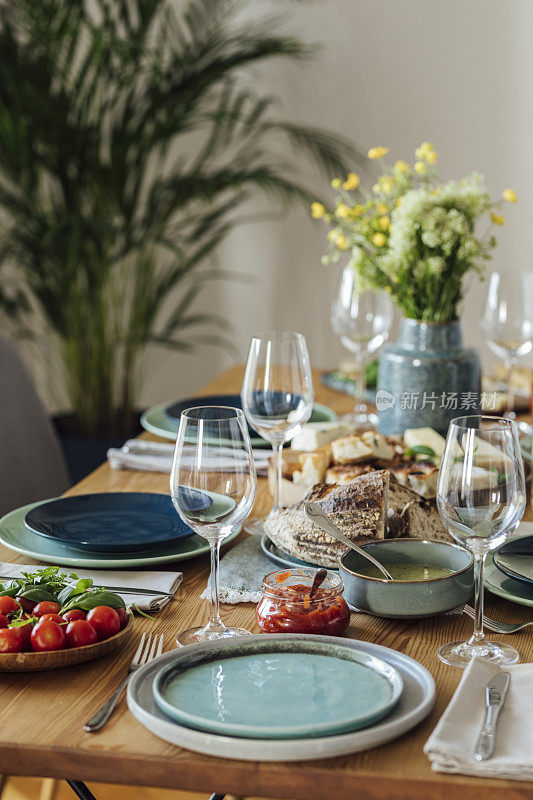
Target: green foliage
129,137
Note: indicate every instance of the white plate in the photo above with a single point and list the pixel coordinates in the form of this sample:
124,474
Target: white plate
16,536
415,704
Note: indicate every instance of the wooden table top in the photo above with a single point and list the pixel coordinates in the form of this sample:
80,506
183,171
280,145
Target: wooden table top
42,714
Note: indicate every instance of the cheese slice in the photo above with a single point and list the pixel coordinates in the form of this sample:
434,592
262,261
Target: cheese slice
425,437
316,434
488,455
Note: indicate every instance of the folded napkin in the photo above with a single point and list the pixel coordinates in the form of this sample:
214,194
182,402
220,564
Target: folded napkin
138,454
157,581
449,747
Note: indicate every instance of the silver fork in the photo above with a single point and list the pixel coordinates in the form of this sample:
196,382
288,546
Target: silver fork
498,627
149,647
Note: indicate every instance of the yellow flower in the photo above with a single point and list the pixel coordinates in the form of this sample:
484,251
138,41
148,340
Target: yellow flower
351,182
381,208
336,182
356,211
509,195
317,210
386,184
376,188
426,151
341,242
343,211
420,168
498,219
401,166
378,152
384,223
379,239
399,201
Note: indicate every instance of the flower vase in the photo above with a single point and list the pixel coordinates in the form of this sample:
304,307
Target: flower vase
427,378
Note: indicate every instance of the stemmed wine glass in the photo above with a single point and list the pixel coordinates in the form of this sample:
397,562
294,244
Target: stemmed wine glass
213,485
277,394
481,497
508,321
363,321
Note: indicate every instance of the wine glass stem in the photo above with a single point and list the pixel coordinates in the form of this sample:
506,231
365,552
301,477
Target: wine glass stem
509,400
214,618
360,384
479,564
277,481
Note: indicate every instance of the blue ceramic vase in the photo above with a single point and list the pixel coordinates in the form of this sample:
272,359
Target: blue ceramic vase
427,378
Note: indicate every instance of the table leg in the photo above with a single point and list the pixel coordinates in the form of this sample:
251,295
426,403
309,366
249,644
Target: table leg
81,790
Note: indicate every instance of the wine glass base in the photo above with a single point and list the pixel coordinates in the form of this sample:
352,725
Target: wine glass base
460,654
199,635
254,527
361,421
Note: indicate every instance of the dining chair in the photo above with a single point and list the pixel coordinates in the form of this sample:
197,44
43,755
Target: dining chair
32,466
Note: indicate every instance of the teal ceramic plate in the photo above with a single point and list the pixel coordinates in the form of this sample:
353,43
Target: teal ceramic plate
16,536
278,690
502,585
156,420
281,557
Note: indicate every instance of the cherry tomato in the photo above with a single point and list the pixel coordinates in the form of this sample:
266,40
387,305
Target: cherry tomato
26,630
75,613
105,621
123,616
4,622
26,604
48,635
11,640
46,607
53,618
80,632
8,605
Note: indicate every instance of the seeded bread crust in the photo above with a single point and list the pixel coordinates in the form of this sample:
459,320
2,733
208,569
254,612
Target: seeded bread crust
358,508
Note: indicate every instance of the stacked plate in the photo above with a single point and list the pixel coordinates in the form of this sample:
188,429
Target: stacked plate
163,419
109,530
509,572
281,698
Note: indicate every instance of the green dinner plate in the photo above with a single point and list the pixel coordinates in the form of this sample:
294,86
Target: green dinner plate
15,536
156,420
288,689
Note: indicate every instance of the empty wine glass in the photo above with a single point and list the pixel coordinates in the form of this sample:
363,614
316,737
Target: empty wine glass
363,321
481,497
213,485
277,394
508,321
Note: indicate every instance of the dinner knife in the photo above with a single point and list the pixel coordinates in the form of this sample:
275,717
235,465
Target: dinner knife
118,589
495,694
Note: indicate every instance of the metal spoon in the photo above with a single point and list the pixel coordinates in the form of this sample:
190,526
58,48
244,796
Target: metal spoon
316,515
320,577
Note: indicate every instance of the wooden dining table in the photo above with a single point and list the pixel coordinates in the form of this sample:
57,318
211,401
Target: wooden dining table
42,714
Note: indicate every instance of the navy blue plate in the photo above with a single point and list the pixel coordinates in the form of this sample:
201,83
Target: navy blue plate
114,522
175,410
515,559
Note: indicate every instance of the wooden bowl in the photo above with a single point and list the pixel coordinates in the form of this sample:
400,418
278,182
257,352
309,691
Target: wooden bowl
55,659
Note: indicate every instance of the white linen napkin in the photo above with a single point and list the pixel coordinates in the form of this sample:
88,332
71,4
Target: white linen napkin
157,581
146,456
450,746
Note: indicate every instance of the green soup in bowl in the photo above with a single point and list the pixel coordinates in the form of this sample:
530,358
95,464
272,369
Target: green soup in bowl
429,577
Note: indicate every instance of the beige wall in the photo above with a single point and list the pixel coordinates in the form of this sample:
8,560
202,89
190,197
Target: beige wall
457,73
394,72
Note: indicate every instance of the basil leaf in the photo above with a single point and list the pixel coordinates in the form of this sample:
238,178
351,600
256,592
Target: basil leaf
37,594
89,600
421,450
73,590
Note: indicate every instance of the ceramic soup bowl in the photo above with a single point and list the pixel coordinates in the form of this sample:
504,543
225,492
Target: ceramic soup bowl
430,577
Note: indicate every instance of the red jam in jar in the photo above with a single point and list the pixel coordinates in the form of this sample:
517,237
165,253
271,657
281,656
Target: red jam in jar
287,606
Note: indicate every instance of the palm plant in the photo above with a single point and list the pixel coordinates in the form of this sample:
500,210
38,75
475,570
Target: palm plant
129,137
